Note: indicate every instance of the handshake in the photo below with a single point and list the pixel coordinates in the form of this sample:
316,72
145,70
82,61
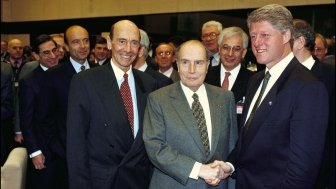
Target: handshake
214,172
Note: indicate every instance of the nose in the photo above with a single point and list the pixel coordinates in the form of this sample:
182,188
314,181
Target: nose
231,51
191,67
128,47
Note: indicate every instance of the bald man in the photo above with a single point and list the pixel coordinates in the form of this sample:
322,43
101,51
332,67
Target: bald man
16,59
104,128
54,98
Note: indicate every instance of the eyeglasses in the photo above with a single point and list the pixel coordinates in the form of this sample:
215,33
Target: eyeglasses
165,53
210,36
234,49
319,49
48,53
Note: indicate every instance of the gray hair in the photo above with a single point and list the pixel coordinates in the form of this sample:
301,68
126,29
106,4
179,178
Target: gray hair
144,42
277,15
233,31
217,24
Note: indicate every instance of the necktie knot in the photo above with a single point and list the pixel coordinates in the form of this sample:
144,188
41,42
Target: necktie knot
227,74
267,76
82,68
125,76
195,97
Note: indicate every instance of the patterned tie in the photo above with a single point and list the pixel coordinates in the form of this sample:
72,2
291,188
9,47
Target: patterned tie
225,84
199,115
82,68
256,104
127,99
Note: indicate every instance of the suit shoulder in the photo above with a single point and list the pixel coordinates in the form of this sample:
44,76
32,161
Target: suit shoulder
217,90
165,91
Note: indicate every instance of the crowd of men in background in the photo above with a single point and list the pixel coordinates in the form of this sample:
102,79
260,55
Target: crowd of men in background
67,120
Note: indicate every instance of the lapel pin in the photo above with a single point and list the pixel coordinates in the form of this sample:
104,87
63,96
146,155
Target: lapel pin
270,103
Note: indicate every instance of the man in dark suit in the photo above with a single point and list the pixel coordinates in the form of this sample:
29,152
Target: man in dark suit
304,41
54,96
141,64
42,170
181,157
7,110
230,74
285,115
106,107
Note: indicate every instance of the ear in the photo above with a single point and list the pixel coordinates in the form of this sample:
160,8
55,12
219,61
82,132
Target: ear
300,42
244,53
141,52
36,56
286,36
109,42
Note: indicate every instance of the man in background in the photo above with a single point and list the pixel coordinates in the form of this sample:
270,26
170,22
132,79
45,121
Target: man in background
210,32
141,64
100,51
41,169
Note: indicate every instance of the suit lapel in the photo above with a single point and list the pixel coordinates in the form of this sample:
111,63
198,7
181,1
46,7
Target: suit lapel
216,115
110,98
250,94
182,108
268,102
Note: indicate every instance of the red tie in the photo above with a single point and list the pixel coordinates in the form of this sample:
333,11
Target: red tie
127,98
225,84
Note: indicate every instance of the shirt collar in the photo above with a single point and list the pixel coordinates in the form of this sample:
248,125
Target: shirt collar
234,72
309,63
119,73
43,67
278,68
77,65
143,67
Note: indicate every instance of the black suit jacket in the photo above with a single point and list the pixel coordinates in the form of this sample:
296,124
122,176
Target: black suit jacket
28,99
54,98
326,74
239,87
101,151
284,143
161,79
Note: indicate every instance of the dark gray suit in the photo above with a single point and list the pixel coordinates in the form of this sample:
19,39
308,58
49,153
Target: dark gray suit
172,138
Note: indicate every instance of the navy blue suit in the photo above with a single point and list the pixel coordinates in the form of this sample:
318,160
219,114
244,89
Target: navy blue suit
284,143
101,151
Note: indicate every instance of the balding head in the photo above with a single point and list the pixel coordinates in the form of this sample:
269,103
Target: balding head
15,48
125,40
77,39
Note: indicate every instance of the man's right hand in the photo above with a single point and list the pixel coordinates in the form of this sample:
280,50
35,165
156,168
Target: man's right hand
38,162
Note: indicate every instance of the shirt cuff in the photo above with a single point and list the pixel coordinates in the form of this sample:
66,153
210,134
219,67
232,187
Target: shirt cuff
231,166
34,154
195,171
18,133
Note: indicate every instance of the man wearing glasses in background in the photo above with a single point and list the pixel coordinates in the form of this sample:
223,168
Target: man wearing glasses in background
164,57
210,32
230,74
